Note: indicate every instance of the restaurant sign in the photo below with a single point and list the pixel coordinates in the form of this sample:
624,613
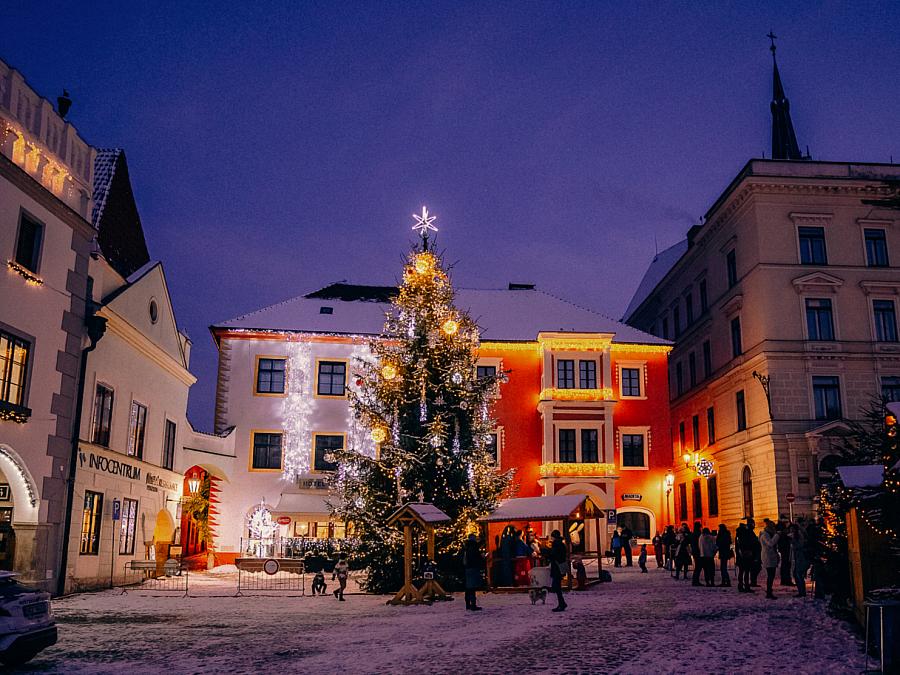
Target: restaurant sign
154,481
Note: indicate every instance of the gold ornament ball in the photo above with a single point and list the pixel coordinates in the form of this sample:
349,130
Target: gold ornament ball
450,327
379,434
389,371
423,263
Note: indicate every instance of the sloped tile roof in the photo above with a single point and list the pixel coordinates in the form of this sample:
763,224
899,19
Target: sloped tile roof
104,171
659,268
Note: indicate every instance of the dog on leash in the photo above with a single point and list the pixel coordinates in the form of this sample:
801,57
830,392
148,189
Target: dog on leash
538,594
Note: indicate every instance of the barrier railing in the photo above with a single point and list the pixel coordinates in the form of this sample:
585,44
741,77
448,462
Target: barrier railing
148,575
271,575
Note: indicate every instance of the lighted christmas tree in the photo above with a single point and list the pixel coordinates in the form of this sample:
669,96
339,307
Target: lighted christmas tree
429,415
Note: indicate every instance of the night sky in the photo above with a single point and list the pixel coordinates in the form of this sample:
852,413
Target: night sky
273,151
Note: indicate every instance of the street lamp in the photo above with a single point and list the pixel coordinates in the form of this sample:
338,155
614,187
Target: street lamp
670,481
193,483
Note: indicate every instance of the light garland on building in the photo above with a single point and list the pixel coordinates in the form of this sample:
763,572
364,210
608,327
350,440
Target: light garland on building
618,347
30,278
581,469
32,497
575,344
298,406
556,394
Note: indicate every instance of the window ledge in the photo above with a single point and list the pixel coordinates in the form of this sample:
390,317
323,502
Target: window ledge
14,413
29,276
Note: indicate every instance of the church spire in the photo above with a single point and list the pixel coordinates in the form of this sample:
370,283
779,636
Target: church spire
784,141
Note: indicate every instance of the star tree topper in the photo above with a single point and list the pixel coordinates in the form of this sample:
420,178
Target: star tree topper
424,223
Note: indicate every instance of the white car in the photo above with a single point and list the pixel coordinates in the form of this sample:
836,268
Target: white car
26,624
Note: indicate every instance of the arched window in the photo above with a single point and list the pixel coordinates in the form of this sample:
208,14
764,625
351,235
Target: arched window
637,521
747,485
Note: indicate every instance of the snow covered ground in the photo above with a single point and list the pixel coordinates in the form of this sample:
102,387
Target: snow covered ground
637,624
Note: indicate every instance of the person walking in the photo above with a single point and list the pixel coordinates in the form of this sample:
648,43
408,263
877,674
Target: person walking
341,572
768,540
723,546
557,561
799,559
658,549
473,563
743,548
707,556
784,552
617,547
627,536
695,549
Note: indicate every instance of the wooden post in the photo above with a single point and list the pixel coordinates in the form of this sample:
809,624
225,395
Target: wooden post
486,531
600,546
407,555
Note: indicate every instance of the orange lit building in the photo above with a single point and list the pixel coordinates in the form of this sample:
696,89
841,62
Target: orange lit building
585,409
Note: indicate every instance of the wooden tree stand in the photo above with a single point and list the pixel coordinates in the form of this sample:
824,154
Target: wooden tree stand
424,516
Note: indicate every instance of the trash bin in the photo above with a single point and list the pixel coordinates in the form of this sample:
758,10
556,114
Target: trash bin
883,625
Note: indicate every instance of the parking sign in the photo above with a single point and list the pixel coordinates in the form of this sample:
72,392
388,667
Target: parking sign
117,509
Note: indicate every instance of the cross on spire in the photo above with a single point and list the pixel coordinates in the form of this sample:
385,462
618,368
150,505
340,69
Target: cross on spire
772,37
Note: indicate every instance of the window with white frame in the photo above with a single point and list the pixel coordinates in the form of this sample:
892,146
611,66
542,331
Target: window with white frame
631,379
633,447
580,444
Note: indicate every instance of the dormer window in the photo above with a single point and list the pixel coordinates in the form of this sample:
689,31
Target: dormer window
326,310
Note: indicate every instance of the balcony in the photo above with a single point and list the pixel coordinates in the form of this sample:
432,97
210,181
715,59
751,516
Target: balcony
555,394
578,470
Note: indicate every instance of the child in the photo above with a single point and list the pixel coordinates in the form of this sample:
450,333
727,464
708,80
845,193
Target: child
642,559
318,584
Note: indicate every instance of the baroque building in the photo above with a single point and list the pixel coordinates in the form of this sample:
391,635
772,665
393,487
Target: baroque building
783,308
584,409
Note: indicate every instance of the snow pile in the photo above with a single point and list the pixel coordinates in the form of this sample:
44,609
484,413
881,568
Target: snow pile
223,569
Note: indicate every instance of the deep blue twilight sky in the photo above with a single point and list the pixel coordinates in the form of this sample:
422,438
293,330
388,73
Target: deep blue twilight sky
276,147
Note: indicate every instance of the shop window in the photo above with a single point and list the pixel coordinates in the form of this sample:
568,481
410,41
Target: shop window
682,502
136,427
128,524
712,495
636,521
876,248
587,374
323,529
266,451
885,320
589,445
14,353
697,500
168,461
812,246
631,382
819,319
103,407
28,243
565,374
270,375
331,378
827,397
339,530
747,491
90,523
325,447
633,454
567,445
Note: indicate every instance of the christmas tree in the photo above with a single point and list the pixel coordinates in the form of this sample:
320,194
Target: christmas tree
429,415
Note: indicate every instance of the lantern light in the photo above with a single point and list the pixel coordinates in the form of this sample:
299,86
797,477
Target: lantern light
193,483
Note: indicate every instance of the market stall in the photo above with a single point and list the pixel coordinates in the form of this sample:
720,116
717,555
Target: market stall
512,567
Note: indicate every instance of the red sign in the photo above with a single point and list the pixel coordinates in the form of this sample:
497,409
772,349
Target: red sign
284,520
789,496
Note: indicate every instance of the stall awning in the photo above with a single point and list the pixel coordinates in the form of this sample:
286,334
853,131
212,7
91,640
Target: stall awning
866,475
303,504
556,507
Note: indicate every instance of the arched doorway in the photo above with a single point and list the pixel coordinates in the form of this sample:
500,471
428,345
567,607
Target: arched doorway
195,511
19,504
641,521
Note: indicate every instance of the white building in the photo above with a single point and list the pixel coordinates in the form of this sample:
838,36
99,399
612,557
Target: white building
46,172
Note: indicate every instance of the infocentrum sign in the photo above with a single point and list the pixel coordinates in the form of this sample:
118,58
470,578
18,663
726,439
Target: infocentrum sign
113,467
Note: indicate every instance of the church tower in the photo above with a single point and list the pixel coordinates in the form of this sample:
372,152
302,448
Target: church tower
784,141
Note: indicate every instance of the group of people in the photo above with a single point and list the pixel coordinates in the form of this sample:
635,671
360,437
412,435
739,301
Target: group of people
786,547
340,573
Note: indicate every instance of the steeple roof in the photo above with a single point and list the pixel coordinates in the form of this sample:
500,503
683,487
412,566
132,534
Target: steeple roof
784,141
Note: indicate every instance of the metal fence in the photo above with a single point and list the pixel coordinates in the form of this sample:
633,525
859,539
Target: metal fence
147,575
286,577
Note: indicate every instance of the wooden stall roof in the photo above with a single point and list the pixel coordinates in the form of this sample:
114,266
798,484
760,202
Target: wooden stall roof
424,514
555,507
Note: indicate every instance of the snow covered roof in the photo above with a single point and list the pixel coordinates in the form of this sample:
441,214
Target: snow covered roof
555,507
659,268
502,314
866,475
427,513
302,503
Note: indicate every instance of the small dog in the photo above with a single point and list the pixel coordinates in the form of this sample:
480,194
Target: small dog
538,594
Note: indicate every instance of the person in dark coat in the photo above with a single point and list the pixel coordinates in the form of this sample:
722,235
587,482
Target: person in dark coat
616,544
695,551
683,551
669,540
558,556
723,546
784,554
473,563
658,549
507,553
744,550
627,536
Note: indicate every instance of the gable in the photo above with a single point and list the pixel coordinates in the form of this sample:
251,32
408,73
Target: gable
817,282
133,304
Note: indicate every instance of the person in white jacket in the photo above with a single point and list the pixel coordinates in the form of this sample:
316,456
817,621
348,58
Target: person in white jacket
707,548
768,539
